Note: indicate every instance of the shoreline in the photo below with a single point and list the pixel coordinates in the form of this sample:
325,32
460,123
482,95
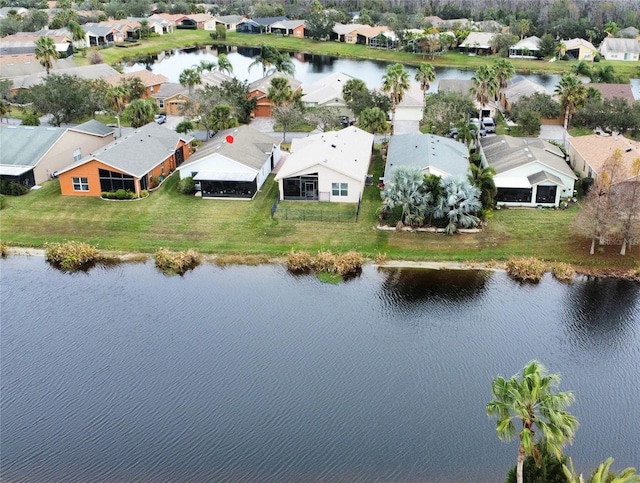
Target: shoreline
117,257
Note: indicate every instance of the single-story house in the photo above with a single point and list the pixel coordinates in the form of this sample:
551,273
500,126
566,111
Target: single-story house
30,155
517,88
107,33
588,154
612,91
580,49
628,33
411,107
157,26
168,20
151,81
171,97
431,154
613,48
327,92
27,71
477,43
346,32
258,25
464,87
22,43
526,48
229,21
196,19
129,163
259,90
330,166
233,164
366,34
293,28
529,172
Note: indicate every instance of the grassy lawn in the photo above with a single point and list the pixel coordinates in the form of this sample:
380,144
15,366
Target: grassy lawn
189,38
171,220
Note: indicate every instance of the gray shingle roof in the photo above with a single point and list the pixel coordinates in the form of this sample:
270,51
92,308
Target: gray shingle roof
250,147
25,145
426,152
138,152
93,127
541,176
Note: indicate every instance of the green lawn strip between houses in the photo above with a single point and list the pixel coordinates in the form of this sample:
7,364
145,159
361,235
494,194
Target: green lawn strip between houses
178,222
190,38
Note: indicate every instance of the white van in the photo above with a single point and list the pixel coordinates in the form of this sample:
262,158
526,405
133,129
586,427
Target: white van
489,125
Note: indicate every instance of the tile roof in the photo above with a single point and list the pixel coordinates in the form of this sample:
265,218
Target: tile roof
478,39
611,91
148,78
596,150
431,154
27,75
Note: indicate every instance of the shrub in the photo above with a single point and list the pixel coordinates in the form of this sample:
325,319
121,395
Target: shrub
31,119
381,258
71,255
349,263
526,268
12,188
299,262
176,262
95,57
563,271
3,202
324,261
187,186
154,182
121,194
3,250
144,193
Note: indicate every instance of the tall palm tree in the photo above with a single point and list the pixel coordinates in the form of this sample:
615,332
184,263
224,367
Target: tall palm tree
266,58
572,94
190,78
46,52
395,81
531,400
280,92
425,75
78,34
485,85
350,90
373,120
116,100
224,64
482,178
504,71
525,27
602,474
283,63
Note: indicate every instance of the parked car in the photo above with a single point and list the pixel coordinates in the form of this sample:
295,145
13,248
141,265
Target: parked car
489,125
161,118
477,127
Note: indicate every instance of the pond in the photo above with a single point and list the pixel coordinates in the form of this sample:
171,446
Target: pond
253,374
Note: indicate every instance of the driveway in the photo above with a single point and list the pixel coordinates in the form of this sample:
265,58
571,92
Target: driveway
406,127
553,132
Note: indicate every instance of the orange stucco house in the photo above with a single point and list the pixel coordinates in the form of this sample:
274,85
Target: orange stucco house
128,163
152,82
259,90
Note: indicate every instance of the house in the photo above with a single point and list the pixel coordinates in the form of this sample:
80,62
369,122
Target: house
477,43
580,49
366,34
517,88
150,81
330,166
526,49
171,97
156,26
233,164
588,154
411,107
25,43
612,91
108,33
30,155
196,19
292,28
346,32
167,20
20,12
429,153
258,25
628,33
327,92
129,163
464,87
613,48
433,21
259,90
529,172
30,73
229,21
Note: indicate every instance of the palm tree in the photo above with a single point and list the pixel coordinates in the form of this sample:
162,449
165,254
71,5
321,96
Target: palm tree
482,178
116,100
504,71
525,27
224,65
605,74
141,112
351,89
266,58
373,120
280,91
460,203
532,401
572,94
190,78
581,68
425,75
46,52
396,82
78,35
283,63
207,65
602,474
561,49
405,189
485,85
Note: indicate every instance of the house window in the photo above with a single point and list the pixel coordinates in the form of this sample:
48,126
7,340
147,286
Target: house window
161,103
340,189
80,184
77,154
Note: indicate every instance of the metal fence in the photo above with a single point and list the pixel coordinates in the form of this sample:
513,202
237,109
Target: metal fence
333,214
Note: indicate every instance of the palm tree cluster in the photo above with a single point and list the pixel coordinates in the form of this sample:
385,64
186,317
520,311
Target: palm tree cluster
490,80
272,60
452,202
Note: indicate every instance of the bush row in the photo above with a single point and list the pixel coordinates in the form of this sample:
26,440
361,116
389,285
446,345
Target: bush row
533,269
123,195
176,262
12,188
343,264
71,255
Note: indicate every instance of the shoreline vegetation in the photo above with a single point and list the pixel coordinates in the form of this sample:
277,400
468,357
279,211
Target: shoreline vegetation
181,39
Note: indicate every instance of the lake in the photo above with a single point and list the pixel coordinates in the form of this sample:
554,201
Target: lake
252,374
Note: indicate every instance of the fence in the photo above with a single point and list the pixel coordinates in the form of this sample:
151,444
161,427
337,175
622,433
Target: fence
336,212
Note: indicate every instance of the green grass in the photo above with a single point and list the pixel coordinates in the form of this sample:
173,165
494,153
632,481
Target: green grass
177,222
580,131
189,38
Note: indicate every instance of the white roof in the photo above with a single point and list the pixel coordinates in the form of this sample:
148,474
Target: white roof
530,43
478,39
13,170
511,182
347,151
225,176
219,167
326,89
576,43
